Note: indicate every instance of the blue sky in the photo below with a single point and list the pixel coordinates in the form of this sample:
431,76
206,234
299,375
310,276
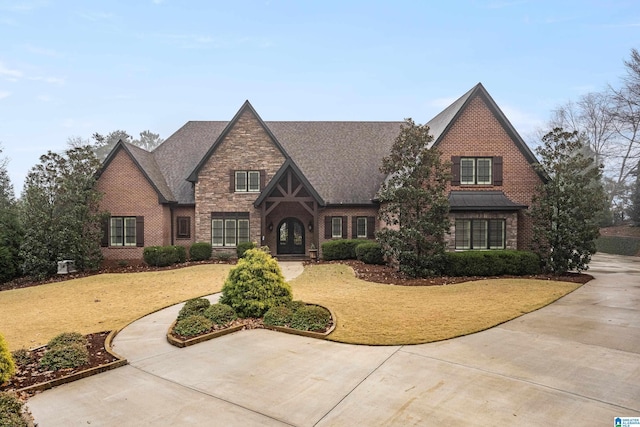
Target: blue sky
72,68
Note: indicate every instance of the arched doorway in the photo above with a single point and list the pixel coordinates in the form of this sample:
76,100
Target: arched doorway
290,237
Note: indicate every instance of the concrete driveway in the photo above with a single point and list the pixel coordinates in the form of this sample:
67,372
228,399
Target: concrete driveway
574,362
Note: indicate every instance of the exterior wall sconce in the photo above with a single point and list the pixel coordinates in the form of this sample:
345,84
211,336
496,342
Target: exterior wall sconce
270,226
310,226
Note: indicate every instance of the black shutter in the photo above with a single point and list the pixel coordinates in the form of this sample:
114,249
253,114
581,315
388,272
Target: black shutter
354,227
232,181
371,227
263,179
140,231
455,170
344,227
497,170
327,227
104,242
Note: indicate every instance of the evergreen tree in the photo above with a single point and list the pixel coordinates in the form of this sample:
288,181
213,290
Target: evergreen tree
10,230
414,203
60,212
566,208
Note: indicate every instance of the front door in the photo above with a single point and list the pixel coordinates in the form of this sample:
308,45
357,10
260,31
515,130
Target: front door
290,237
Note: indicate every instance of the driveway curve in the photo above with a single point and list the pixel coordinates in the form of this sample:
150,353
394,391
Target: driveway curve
574,362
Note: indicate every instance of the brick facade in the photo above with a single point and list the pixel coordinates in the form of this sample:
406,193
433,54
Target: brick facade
121,198
478,133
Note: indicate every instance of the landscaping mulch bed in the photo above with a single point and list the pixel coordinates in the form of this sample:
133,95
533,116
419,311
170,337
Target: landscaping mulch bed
391,276
32,374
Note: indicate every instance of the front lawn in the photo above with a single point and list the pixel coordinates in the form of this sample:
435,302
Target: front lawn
31,316
378,314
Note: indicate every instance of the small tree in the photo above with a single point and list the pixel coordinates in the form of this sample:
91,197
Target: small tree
634,209
414,203
566,207
255,285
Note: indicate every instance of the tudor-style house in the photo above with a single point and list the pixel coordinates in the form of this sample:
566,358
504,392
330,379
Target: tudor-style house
291,185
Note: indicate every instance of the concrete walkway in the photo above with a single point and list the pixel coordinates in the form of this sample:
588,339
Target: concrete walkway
574,362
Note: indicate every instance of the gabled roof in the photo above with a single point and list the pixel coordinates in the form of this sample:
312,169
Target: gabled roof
147,165
193,176
441,123
482,201
288,164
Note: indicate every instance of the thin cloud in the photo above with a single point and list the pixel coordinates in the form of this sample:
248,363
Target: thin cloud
96,16
52,80
525,123
4,94
10,74
41,51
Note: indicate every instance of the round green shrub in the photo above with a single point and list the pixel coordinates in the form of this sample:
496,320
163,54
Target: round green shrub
65,356
22,357
220,314
67,338
223,256
255,285
7,365
296,305
278,316
244,247
11,410
311,318
200,251
192,307
193,325
370,253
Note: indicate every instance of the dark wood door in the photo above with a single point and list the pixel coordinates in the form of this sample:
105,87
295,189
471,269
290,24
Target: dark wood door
291,237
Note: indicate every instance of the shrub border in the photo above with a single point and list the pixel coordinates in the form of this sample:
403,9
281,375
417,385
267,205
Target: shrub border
82,374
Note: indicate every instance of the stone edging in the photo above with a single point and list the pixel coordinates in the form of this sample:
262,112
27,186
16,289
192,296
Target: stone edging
82,374
206,337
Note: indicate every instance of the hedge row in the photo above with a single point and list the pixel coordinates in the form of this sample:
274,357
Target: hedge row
341,249
618,245
162,256
492,263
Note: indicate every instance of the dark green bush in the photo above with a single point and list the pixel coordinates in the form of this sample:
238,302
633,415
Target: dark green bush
296,305
65,356
223,255
7,264
278,316
220,314
193,325
255,285
200,251
311,318
341,249
244,247
192,307
11,410
370,253
618,245
67,338
492,263
162,256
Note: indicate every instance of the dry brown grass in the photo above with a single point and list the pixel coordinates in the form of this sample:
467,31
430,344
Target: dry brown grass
378,314
32,316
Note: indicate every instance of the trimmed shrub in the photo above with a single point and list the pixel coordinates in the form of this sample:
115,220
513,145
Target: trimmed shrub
11,410
22,357
195,306
311,318
193,325
65,356
278,316
244,247
296,305
618,245
200,251
370,253
223,256
7,365
67,338
162,256
220,314
255,285
341,249
492,263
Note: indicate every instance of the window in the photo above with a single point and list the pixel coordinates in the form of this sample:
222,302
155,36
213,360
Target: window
183,227
229,228
480,234
122,231
475,171
361,227
247,181
336,227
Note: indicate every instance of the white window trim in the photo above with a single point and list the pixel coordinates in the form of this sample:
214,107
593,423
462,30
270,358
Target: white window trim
362,219
490,179
247,176
127,239
474,175
469,234
336,220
